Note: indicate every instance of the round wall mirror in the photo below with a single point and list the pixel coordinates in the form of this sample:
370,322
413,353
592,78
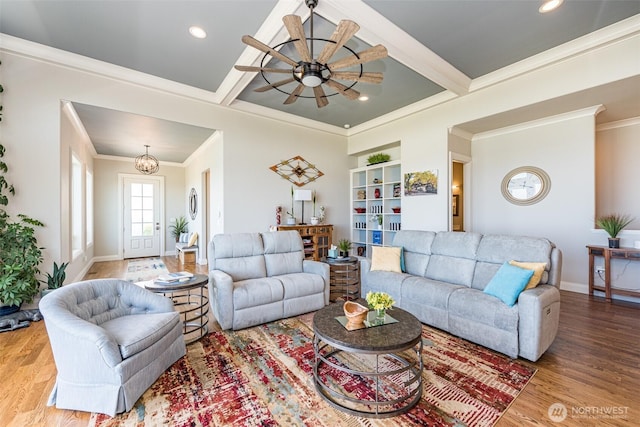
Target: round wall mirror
526,185
193,203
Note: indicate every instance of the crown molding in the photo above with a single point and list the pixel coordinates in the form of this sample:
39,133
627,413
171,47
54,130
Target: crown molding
132,159
72,115
610,34
74,61
288,118
589,111
634,121
401,46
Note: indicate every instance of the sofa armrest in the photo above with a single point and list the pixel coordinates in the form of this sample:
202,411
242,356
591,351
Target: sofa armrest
221,297
321,269
365,269
539,316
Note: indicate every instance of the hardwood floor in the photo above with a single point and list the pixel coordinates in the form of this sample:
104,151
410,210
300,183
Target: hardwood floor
592,368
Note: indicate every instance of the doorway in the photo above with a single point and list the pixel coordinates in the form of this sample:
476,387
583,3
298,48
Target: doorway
141,216
457,196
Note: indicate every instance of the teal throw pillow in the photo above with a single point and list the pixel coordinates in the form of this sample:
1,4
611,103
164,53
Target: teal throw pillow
508,282
402,267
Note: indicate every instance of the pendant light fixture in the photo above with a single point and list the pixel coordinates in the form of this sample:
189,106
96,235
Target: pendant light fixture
147,164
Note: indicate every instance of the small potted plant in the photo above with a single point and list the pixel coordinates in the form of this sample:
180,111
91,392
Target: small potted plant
55,280
180,226
378,220
344,246
378,158
613,224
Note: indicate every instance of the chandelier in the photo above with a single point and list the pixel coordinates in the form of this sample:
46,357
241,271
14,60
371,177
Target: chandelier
147,164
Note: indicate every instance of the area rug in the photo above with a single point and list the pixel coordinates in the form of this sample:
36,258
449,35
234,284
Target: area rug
139,270
263,376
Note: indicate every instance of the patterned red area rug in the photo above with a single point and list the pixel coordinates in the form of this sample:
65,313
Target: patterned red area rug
263,376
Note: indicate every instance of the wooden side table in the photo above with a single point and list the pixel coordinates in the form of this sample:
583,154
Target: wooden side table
344,278
608,254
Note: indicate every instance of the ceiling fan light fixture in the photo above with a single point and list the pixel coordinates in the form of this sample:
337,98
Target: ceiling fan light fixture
311,75
549,5
147,164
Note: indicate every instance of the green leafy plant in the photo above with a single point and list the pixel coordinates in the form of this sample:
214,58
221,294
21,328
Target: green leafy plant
378,158
20,255
56,280
379,300
344,245
614,223
180,226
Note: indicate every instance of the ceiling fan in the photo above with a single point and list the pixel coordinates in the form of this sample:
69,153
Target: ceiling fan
314,72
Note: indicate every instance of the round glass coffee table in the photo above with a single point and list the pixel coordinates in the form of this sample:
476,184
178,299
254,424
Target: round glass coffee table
383,364
190,300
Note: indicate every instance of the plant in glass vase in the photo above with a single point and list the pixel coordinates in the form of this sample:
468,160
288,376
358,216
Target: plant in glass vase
377,219
380,302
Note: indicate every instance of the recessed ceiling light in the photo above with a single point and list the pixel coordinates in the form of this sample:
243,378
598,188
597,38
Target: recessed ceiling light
549,5
363,98
347,126
197,32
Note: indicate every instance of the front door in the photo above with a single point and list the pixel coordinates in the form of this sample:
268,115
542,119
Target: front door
141,217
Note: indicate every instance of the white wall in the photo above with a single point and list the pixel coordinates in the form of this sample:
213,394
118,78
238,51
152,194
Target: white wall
31,133
560,147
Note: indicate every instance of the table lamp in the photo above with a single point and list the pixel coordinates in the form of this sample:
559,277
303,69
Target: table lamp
302,196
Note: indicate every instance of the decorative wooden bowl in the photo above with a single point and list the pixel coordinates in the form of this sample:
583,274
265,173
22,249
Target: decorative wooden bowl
396,210
355,313
360,210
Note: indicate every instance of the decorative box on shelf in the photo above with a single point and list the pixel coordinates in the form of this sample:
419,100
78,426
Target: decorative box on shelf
376,237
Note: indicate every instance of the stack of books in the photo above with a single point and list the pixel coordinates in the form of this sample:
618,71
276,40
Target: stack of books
180,276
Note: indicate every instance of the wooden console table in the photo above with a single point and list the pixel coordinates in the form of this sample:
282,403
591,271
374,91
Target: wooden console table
315,238
607,253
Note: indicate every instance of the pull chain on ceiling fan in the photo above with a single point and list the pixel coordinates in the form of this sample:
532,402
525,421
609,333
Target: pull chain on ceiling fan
312,72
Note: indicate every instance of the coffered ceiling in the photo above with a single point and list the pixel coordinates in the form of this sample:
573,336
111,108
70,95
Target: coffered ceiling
435,47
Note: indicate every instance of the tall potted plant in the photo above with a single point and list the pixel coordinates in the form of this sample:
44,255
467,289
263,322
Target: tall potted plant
20,255
613,224
180,226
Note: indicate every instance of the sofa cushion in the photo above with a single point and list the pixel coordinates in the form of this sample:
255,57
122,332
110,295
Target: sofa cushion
255,292
385,281
416,247
453,257
483,308
508,282
240,255
386,259
538,269
297,285
137,332
430,293
283,252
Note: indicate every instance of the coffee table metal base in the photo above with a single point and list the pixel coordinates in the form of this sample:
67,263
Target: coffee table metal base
404,377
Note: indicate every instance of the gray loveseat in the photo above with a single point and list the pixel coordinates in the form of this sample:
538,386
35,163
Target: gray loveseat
256,278
446,273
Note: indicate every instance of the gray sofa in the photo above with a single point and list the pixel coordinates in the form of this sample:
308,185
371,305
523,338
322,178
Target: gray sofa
445,274
111,340
256,278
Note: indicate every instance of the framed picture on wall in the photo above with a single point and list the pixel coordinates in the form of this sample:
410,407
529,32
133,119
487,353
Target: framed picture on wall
454,205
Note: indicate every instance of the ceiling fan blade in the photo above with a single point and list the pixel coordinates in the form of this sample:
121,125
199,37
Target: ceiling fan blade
321,98
366,77
266,70
344,90
276,84
266,49
371,54
296,31
344,31
294,95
